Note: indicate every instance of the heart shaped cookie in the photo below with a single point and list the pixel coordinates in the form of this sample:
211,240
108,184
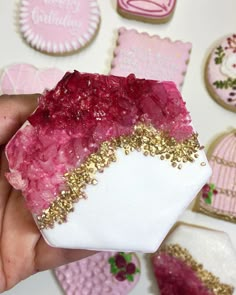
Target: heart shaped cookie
105,273
59,27
27,79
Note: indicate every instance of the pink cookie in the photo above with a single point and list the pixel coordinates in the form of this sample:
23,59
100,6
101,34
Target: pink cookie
220,73
106,273
59,27
157,11
27,79
218,197
150,57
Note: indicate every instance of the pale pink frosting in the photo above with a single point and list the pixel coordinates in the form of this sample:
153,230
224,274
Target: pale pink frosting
92,276
27,79
223,163
154,9
223,71
57,26
150,57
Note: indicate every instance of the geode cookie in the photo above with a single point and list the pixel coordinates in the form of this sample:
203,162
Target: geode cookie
126,145
196,261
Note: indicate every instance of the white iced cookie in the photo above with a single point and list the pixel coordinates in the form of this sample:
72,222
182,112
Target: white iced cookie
196,261
107,162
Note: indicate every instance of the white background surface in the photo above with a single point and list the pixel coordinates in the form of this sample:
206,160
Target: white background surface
200,22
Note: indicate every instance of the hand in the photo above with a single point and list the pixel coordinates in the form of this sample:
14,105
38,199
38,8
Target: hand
23,251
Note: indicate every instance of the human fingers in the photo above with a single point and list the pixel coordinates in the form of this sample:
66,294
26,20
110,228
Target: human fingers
14,110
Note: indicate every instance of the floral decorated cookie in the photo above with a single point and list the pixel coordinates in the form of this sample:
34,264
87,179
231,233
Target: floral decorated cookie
218,197
105,273
156,11
59,27
221,73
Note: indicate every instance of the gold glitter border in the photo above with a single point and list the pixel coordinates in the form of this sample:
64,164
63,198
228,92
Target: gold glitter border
145,139
208,279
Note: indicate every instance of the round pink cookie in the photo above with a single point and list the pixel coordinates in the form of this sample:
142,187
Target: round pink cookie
221,73
92,276
59,27
27,79
158,11
218,197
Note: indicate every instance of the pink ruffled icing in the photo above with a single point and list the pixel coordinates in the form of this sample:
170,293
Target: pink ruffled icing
92,276
73,120
27,79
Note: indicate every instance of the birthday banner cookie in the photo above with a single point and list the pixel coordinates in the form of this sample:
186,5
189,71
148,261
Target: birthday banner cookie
197,261
155,11
59,27
27,79
105,273
220,73
150,57
218,196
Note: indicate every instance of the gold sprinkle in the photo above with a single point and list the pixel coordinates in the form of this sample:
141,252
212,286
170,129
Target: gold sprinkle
203,164
208,279
145,139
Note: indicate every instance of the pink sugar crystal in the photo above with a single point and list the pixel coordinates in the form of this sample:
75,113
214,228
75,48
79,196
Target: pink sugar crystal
175,277
74,118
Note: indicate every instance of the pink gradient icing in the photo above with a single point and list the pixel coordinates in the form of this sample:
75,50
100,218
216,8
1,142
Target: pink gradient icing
59,26
148,8
150,57
92,276
223,176
175,277
214,73
73,120
27,79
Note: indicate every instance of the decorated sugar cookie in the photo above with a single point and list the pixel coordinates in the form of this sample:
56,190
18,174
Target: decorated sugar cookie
27,79
150,57
195,261
93,148
220,73
218,197
59,27
105,273
156,11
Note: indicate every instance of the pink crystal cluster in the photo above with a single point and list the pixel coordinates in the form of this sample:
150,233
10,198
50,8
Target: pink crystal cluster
74,118
175,277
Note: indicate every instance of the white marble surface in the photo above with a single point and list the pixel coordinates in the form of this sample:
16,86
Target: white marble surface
200,22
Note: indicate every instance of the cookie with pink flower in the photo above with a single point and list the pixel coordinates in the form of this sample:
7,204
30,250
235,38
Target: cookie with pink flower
220,73
105,273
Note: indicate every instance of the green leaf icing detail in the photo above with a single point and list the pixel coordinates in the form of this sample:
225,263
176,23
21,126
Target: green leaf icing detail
130,278
225,84
219,55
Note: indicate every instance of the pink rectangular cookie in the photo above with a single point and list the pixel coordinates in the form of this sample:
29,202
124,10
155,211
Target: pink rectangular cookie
150,57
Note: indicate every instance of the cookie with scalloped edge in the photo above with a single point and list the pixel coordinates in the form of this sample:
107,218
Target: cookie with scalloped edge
25,78
150,57
59,27
220,73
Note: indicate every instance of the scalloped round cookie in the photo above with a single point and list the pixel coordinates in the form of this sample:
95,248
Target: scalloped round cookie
59,26
220,73
99,274
27,79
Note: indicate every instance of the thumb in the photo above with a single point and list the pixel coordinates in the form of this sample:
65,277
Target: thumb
14,110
